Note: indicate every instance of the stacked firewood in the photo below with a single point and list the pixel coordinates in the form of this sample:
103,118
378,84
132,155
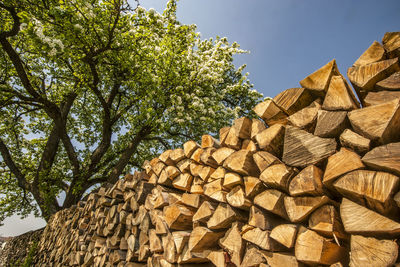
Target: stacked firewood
315,182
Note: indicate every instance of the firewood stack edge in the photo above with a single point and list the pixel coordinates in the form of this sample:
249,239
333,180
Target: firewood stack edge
315,181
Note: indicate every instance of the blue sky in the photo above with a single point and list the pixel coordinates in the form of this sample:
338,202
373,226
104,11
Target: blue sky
288,39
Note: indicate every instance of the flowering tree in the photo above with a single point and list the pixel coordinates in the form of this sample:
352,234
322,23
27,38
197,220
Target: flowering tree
92,88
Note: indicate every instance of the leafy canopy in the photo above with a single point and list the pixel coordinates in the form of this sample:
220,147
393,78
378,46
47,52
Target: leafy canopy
92,88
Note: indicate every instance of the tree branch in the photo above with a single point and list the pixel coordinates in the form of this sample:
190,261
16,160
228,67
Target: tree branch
12,166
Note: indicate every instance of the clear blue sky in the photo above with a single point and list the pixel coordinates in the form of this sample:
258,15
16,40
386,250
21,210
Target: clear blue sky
288,39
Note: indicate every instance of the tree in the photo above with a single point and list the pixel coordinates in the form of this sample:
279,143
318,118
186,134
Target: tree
92,88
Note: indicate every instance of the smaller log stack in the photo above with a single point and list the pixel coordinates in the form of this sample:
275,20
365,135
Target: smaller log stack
315,182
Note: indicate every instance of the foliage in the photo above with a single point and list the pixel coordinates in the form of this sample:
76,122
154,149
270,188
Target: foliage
92,88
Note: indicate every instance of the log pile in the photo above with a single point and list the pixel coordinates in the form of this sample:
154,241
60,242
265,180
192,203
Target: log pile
314,182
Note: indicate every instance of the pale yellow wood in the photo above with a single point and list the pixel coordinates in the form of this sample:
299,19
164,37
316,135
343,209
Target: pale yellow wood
285,234
299,208
307,182
319,80
271,139
374,53
306,118
293,99
386,158
354,141
270,112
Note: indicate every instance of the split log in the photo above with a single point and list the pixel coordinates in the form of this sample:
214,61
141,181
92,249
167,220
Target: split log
293,100
231,180
231,140
155,242
262,239
242,127
257,126
183,181
331,123
270,112
318,81
354,217
383,122
390,83
271,139
252,186
313,249
170,254
275,259
339,95
354,141
196,155
302,148
207,159
252,257
236,198
271,200
264,159
241,162
205,211
373,54
391,43
164,157
306,118
224,216
218,258
377,98
232,243
386,158
221,154
205,173
298,208
189,148
184,165
366,76
368,251
202,239
177,155
178,217
370,188
219,173
340,163
191,257
208,141
285,234
215,191
326,221
262,220
278,176
307,182
249,145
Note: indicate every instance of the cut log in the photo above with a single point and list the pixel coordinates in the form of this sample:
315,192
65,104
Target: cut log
306,118
215,191
278,176
252,257
285,234
202,239
368,251
386,158
237,199
170,254
370,188
331,123
262,220
183,181
224,216
218,258
354,141
231,140
366,76
262,239
264,159
249,145
208,141
383,122
196,156
164,157
177,155
242,162
313,249
270,112
257,126
354,217
232,243
318,81
340,163
302,148
221,154
252,186
178,217
205,173
307,182
189,147
205,211
271,139
155,242
373,54
377,98
271,200
184,165
242,127
339,95
391,43
293,99
192,200
390,83
207,159
231,180
191,257
275,259
326,221
219,173
298,208
181,239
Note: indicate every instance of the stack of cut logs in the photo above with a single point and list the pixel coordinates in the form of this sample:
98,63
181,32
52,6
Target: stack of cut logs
315,182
